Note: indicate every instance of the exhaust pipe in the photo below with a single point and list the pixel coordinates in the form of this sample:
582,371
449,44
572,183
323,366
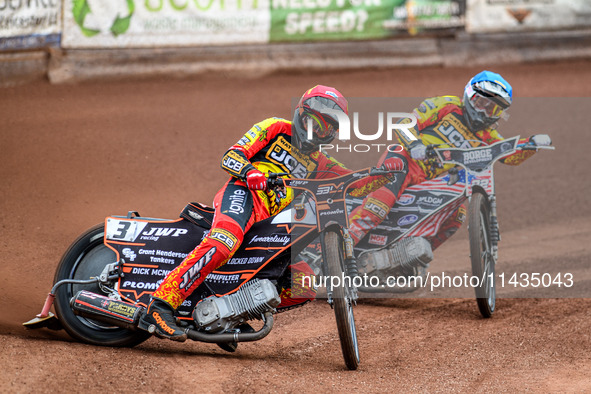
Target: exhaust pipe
126,315
97,307
234,337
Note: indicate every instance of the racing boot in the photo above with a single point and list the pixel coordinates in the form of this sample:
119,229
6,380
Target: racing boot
160,321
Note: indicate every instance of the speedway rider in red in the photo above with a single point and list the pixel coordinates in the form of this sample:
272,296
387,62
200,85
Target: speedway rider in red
273,145
460,123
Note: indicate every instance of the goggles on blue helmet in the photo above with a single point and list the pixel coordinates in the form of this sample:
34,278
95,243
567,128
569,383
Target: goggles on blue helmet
492,102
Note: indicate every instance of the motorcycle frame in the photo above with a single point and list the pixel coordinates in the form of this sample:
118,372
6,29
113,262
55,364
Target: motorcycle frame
479,180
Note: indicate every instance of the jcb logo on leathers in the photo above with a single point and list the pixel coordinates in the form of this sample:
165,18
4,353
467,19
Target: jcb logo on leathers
225,237
454,131
377,207
280,153
233,162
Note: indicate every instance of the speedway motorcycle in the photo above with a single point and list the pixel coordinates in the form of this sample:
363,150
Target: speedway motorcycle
400,245
104,280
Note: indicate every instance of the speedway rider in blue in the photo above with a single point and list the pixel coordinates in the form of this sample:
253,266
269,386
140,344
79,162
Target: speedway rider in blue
446,121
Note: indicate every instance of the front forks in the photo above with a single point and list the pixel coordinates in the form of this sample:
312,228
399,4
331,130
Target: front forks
495,233
350,269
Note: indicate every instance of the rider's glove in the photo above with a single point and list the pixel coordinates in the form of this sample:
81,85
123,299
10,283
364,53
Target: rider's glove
256,180
541,140
393,164
418,152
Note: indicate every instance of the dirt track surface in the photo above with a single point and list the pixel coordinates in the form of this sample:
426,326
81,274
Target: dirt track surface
71,155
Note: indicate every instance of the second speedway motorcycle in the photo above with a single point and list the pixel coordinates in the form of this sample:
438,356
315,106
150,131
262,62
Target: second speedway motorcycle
104,280
400,244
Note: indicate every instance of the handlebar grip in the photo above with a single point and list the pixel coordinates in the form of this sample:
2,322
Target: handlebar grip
528,147
431,153
277,182
383,171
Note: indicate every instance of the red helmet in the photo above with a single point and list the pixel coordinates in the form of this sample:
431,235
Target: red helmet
318,110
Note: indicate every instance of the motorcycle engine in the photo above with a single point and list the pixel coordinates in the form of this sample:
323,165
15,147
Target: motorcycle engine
403,258
218,314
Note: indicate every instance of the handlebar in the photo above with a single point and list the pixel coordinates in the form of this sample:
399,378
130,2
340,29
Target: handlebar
382,171
432,154
530,146
275,180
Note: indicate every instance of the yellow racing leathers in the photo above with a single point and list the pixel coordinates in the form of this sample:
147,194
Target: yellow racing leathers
440,120
266,147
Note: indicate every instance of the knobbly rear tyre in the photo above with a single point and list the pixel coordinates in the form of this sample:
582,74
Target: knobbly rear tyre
84,259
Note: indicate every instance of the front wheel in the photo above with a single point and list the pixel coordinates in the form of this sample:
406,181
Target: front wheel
86,258
342,299
481,253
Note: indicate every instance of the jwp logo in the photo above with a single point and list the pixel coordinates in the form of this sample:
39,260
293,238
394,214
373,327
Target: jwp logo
344,133
192,274
165,232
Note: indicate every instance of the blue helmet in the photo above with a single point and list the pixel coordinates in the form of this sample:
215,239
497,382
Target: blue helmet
486,96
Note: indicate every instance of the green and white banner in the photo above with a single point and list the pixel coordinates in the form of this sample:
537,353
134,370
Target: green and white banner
309,20
161,23
158,23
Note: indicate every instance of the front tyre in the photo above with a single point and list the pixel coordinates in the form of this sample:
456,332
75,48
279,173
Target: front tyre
86,258
481,253
342,299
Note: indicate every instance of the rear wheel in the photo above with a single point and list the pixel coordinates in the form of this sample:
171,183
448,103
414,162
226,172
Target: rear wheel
481,253
86,258
342,299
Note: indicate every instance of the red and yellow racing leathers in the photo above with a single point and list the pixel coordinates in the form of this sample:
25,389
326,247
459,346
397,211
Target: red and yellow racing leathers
266,147
440,120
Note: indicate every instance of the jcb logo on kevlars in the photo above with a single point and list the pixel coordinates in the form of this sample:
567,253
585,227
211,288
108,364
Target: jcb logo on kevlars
453,130
234,162
225,237
281,153
377,207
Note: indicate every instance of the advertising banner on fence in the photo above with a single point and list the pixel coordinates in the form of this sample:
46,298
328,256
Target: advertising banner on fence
487,16
157,23
416,16
28,24
129,23
309,20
